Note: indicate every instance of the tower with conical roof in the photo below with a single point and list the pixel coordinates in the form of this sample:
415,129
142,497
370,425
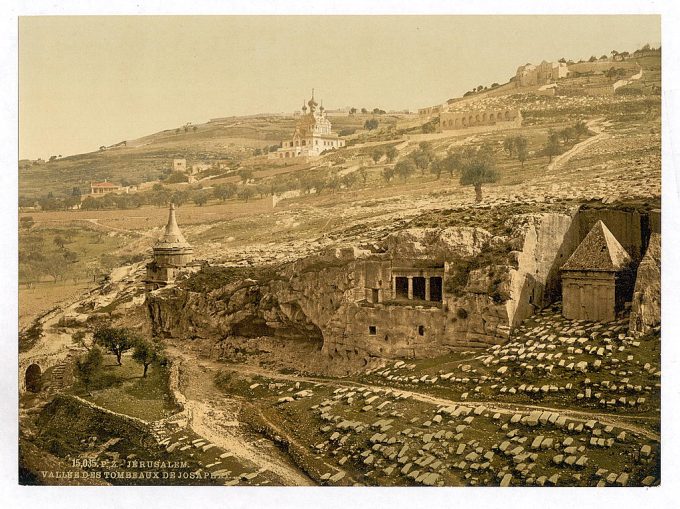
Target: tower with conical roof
171,254
597,278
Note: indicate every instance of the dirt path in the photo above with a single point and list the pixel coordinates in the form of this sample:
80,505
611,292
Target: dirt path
594,125
214,417
624,422
113,228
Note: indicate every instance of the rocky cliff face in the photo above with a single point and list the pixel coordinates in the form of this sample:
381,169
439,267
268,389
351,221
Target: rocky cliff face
645,313
545,241
321,299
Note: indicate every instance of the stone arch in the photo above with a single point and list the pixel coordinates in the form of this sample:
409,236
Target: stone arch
507,115
33,378
471,119
491,118
464,122
457,122
477,119
484,117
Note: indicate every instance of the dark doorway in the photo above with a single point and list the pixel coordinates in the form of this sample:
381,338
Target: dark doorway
436,289
372,330
33,378
401,284
374,295
419,288
421,330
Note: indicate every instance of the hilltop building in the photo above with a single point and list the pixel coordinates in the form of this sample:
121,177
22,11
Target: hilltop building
530,75
312,134
597,277
102,188
171,254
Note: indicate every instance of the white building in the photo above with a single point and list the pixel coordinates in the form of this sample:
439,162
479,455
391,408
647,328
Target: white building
312,135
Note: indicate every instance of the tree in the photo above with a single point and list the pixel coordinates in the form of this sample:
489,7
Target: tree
26,222
451,163
388,174
580,129
391,153
567,134
115,340
405,168
436,167
70,256
423,156
371,124
364,111
509,144
478,168
552,145
319,185
194,128
147,353
377,154
592,59
363,174
520,145
246,193
349,180
200,198
179,198
87,367
430,127
225,191
78,339
246,174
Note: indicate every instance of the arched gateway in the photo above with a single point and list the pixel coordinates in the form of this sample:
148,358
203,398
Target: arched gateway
33,378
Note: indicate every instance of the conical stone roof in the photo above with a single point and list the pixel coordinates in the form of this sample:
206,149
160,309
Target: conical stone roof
172,237
599,251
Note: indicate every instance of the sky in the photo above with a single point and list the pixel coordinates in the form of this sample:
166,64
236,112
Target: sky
97,80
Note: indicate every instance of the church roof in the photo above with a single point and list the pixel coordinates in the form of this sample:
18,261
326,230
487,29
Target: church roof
599,251
172,237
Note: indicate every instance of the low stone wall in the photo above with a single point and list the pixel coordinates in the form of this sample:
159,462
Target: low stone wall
70,415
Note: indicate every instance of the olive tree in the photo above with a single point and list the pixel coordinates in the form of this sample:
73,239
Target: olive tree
115,340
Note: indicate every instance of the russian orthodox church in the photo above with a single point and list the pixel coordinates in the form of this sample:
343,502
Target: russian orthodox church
312,134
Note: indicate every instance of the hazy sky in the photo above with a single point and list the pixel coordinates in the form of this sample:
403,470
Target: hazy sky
91,81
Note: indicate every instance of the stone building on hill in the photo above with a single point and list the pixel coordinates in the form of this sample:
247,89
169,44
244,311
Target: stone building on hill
597,278
171,254
546,72
101,188
312,134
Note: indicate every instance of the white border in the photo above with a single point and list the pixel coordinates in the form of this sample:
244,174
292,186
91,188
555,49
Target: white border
12,495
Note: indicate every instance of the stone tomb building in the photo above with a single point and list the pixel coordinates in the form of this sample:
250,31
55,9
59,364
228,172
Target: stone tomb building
171,254
597,279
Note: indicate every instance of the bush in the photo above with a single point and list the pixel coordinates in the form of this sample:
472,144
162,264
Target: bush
176,177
